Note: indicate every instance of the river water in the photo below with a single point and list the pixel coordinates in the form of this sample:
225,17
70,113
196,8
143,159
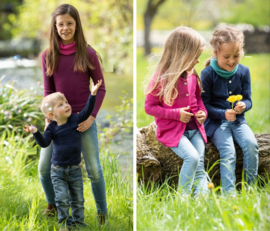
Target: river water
27,74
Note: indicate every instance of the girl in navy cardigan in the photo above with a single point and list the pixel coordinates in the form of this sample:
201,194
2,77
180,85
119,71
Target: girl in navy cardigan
224,77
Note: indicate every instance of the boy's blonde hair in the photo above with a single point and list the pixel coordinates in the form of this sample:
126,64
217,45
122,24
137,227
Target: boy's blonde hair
226,35
50,101
181,48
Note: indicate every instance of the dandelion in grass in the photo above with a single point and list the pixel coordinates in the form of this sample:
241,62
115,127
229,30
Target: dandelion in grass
211,186
235,208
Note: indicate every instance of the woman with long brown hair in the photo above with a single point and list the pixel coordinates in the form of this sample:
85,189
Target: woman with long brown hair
68,64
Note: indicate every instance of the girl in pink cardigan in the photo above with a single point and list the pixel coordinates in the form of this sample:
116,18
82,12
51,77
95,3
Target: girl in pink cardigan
173,97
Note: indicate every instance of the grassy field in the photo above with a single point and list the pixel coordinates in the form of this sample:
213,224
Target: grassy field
258,117
22,200
162,208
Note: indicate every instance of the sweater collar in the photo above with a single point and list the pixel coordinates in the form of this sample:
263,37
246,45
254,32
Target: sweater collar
67,49
220,72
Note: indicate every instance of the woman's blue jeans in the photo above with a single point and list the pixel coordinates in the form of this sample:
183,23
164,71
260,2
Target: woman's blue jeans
191,149
90,152
223,139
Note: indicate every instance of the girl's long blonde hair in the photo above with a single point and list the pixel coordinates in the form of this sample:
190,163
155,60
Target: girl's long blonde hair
181,48
226,35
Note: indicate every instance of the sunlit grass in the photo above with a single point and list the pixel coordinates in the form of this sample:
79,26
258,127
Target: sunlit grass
162,208
22,200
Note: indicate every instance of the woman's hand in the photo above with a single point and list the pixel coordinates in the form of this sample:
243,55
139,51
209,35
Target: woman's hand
83,126
47,122
96,87
185,116
240,107
230,115
200,116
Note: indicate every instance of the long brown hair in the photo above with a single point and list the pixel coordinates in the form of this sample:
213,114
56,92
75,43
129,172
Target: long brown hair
81,62
181,48
225,35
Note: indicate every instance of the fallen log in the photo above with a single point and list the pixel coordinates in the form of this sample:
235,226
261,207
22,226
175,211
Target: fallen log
155,162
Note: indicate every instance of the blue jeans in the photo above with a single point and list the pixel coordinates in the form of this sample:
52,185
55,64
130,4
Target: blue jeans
90,152
244,137
68,187
191,150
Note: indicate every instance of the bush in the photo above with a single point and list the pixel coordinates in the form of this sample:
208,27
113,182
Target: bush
19,107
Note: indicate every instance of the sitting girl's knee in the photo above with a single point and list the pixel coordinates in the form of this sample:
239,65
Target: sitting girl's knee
194,159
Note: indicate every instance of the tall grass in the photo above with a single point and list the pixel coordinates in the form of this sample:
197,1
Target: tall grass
22,200
162,208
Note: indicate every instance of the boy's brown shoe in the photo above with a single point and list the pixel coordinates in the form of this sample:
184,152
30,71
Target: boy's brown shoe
102,219
50,211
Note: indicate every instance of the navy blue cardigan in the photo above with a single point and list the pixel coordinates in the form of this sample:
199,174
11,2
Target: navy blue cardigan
216,90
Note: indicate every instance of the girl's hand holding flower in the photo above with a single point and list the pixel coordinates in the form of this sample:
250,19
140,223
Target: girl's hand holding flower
240,107
185,116
230,115
200,116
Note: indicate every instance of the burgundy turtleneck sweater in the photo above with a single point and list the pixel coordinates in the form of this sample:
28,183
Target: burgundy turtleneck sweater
74,85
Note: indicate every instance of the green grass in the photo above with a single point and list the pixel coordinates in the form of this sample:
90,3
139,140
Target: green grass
258,117
22,200
163,208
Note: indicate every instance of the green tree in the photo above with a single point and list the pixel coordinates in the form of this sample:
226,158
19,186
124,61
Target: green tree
254,12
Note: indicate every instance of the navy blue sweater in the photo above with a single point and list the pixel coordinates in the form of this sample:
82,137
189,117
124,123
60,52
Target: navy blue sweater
66,139
216,90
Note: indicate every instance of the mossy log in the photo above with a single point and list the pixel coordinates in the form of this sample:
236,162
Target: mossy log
155,161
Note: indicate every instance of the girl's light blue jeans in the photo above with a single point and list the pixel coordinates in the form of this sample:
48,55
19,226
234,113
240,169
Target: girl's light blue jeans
223,139
191,149
90,152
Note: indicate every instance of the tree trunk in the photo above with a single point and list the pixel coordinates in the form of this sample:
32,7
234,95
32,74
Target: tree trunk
151,10
155,161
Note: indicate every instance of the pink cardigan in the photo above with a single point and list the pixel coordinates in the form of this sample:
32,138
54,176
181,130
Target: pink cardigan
169,128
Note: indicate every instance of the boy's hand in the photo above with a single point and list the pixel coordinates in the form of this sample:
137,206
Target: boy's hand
31,128
200,116
185,116
96,87
230,115
240,107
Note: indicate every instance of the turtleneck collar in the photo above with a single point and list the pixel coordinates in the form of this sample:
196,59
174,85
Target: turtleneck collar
67,49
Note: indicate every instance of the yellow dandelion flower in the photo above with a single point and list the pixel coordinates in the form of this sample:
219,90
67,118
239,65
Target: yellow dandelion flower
232,99
211,185
239,97
235,207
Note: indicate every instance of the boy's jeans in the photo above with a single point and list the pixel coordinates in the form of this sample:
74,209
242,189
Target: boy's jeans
68,188
191,150
90,152
244,137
